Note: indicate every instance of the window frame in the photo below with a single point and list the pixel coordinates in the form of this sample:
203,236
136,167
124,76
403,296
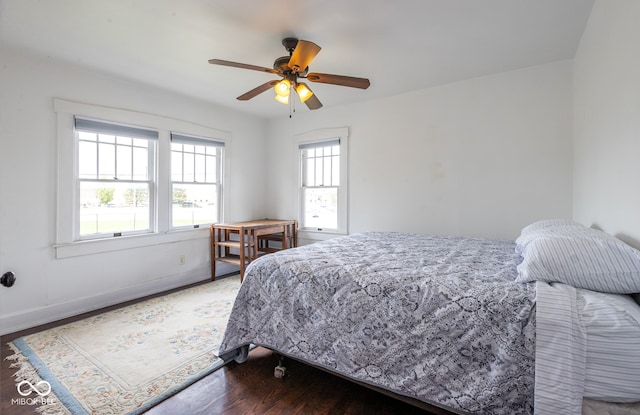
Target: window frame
219,167
66,245
106,128
317,137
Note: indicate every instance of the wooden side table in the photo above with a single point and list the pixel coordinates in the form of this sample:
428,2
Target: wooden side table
239,243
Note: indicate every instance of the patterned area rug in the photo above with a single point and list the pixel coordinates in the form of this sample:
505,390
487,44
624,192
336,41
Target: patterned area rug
126,360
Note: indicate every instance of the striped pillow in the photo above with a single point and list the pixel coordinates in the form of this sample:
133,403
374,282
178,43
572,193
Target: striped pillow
588,259
547,224
551,228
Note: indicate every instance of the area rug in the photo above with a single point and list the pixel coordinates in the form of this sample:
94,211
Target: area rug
126,360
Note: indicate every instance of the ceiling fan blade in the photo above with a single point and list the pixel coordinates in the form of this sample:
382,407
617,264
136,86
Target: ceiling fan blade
242,66
302,55
257,91
313,103
353,82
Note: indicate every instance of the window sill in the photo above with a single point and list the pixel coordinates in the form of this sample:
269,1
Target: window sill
120,243
318,235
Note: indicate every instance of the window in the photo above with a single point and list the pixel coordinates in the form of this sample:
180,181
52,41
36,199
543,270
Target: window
115,167
322,172
115,187
196,169
320,184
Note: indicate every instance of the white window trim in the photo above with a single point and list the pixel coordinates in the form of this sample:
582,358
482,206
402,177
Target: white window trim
65,245
315,136
152,156
220,162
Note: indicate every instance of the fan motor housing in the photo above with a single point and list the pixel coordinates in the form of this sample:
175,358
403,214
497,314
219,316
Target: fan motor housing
282,64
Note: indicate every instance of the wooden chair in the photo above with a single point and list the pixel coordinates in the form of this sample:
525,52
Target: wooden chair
287,240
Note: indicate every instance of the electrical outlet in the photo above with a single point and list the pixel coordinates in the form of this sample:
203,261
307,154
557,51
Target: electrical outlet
181,260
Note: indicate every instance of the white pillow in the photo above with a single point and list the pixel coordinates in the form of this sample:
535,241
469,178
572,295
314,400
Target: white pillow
550,228
548,223
583,258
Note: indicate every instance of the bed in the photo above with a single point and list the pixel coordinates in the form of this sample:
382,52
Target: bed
456,323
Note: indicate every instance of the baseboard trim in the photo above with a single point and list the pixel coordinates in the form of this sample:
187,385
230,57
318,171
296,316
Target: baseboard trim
35,317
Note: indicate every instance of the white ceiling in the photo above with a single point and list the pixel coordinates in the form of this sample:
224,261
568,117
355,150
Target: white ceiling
399,45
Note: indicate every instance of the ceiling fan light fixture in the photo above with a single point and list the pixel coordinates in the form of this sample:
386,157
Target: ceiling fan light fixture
291,68
283,88
303,91
281,99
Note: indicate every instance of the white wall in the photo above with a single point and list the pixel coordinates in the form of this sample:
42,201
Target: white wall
482,157
607,120
49,288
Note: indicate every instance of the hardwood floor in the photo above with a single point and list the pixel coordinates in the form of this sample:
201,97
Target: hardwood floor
247,388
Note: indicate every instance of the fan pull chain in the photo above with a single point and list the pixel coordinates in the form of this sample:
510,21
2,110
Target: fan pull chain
292,104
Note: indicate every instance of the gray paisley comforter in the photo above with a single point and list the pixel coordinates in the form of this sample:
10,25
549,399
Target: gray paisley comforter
435,318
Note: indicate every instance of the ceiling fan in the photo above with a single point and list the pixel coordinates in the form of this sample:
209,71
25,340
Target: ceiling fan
292,68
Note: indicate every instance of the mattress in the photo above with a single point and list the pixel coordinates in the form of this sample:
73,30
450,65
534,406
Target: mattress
435,318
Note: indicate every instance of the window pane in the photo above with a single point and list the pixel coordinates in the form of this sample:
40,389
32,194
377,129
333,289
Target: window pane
176,166
321,208
124,159
211,169
194,204
140,163
87,157
310,168
107,208
200,165
318,175
106,161
327,170
189,166
321,166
